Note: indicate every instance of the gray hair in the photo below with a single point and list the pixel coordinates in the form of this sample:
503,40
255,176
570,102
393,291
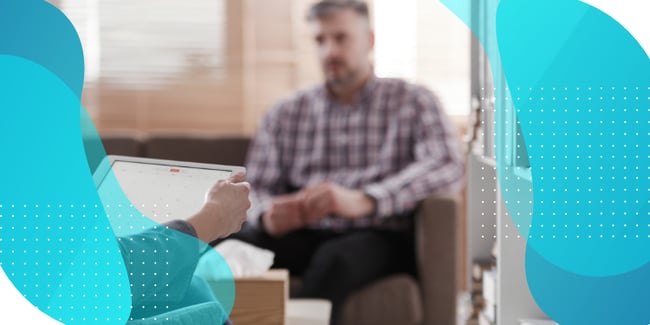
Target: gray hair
325,8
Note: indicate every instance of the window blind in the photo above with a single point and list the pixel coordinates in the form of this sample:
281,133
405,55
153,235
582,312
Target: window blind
144,44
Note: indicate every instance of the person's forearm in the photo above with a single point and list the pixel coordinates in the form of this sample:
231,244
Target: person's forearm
204,228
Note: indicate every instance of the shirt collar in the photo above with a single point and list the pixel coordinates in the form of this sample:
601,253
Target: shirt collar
364,93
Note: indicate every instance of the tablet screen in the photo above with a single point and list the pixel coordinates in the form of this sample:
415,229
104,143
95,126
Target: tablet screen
163,192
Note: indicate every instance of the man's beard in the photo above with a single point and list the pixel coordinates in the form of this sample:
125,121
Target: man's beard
347,78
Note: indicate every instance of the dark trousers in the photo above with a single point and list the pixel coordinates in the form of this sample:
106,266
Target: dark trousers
333,265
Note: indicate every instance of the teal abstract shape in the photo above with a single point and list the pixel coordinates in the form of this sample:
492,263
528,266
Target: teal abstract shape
580,86
579,83
58,249
38,32
575,299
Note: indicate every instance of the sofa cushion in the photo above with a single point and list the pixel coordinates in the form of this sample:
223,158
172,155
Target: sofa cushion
393,300
215,150
122,145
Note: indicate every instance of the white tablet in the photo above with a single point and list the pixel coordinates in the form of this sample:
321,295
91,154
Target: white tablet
163,190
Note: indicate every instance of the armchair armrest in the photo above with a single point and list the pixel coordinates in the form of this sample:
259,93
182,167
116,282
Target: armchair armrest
436,249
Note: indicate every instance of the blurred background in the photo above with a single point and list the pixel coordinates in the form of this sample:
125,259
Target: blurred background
180,77
183,76
205,71
213,67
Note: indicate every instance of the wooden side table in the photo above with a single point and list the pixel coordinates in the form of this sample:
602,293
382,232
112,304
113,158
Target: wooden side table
264,300
261,300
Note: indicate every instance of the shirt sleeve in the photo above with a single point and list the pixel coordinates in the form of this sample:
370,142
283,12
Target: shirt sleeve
437,167
263,169
182,226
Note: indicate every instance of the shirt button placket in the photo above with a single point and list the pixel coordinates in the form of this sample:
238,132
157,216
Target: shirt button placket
342,136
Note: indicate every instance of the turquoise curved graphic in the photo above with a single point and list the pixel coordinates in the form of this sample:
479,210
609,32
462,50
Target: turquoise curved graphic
579,84
580,88
78,256
57,246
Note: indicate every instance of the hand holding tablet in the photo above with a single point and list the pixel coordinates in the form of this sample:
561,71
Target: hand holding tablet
224,210
213,198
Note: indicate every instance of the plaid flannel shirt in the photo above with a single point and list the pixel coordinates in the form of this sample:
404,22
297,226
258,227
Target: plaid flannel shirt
395,143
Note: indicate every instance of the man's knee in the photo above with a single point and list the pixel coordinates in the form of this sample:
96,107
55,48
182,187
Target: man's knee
352,255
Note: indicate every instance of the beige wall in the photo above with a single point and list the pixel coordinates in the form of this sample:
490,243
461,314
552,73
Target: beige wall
269,55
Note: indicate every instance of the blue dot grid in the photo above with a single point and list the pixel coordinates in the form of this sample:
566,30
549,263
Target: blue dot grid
589,170
594,178
56,256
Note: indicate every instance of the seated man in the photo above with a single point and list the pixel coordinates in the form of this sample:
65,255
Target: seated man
337,170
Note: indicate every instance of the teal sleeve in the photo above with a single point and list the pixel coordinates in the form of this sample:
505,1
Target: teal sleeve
160,262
